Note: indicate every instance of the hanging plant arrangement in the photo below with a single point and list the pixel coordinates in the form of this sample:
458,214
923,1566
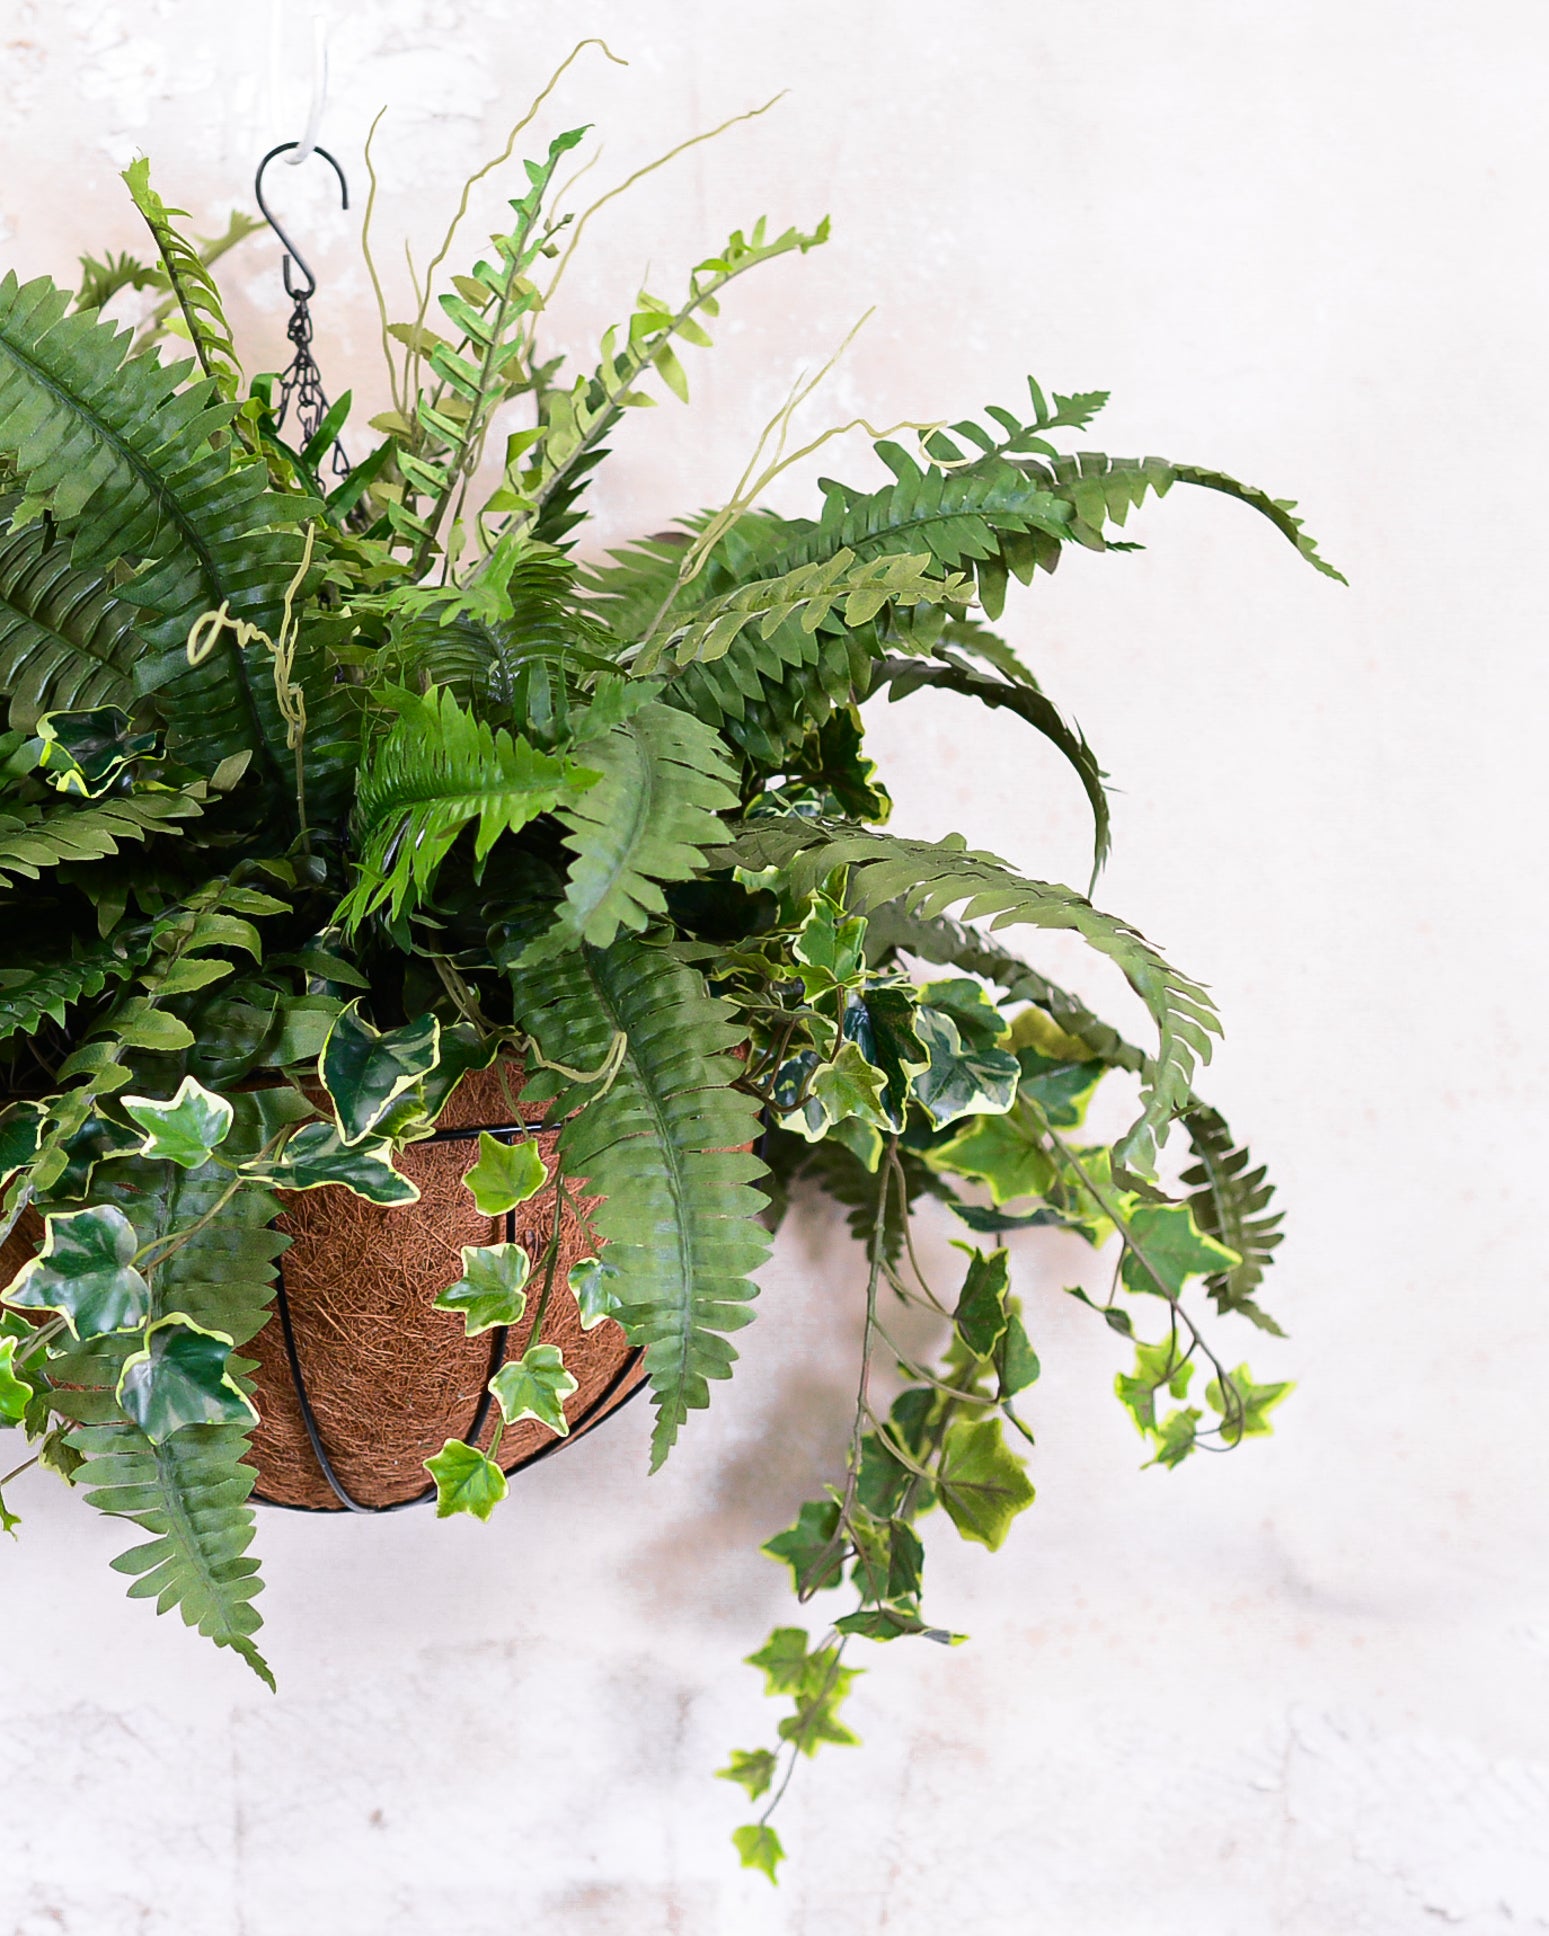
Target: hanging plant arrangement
433,954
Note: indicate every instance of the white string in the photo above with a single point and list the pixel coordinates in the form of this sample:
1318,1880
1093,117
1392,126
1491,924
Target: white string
308,141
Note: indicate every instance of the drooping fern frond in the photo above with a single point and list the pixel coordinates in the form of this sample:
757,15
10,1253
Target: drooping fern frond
1231,1202
1277,509
665,780
192,285
1027,700
33,838
436,772
47,991
809,596
930,877
67,643
123,458
662,1145
189,1494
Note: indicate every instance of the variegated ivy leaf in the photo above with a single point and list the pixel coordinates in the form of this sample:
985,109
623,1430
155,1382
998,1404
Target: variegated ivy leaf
366,1071
182,1377
831,947
505,1175
535,1385
315,1156
879,1019
759,1847
752,1769
1166,1248
1006,1152
85,1271
591,1283
15,1392
1244,1407
981,1482
981,1306
185,1128
21,1136
466,1482
85,752
847,1086
965,1077
490,1291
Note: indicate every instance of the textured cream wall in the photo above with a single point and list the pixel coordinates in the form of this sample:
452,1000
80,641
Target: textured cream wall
1300,1690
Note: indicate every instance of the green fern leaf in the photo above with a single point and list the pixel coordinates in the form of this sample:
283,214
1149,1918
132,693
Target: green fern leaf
665,780
67,644
1231,1202
189,1494
1277,509
47,991
660,1145
123,458
438,771
930,877
33,838
191,283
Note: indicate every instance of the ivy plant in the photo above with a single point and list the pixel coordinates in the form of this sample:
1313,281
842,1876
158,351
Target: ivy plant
320,792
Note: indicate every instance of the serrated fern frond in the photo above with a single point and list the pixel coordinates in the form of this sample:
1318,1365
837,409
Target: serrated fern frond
665,781
436,772
33,838
192,285
189,1494
67,643
660,1147
1231,1202
47,991
123,458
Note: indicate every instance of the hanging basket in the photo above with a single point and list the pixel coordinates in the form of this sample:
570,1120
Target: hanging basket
360,1379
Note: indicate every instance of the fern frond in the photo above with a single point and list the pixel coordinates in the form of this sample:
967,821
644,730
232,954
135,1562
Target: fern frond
1027,700
191,283
930,877
189,1494
660,1146
67,642
858,589
437,771
123,458
35,837
665,780
47,991
1231,1202
1277,509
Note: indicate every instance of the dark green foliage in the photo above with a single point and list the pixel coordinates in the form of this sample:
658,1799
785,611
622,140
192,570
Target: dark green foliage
659,1143
66,642
1231,1202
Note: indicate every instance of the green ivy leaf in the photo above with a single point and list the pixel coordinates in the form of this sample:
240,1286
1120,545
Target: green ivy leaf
964,1077
9,1521
490,1290
1015,1360
185,1128
753,1769
16,1393
847,1086
506,1174
889,1560
314,1156
535,1385
982,1482
880,1021
135,1024
894,1623
810,1549
591,1283
1002,1151
365,1072
182,1377
21,1136
1158,1367
1168,1240
759,1848
979,1023
1176,1437
783,1660
1244,1407
85,1272
981,1307
831,947
466,1482
1113,1315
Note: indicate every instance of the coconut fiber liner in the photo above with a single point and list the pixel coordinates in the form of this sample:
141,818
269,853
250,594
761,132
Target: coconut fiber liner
389,1378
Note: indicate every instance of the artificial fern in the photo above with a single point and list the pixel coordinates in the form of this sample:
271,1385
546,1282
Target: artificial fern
47,991
33,838
664,780
192,285
67,642
1231,1201
659,1144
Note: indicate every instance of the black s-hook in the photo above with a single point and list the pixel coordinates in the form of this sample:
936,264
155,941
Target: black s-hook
302,381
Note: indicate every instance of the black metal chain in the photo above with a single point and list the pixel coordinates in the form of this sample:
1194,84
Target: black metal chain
301,382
